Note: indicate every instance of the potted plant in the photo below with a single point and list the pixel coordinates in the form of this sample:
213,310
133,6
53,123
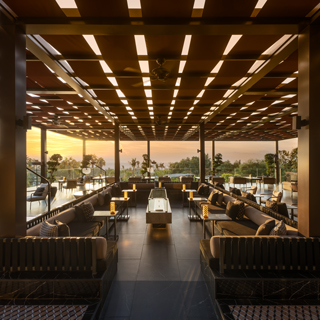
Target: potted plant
52,167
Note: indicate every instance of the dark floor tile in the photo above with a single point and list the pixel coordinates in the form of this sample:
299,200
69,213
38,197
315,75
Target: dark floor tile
127,270
159,253
171,300
119,300
190,270
159,235
187,250
130,246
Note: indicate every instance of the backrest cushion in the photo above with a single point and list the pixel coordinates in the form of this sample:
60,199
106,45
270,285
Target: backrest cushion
48,229
282,209
116,190
276,196
39,191
266,227
63,229
240,214
272,205
101,199
227,198
220,198
235,191
279,229
84,211
213,197
232,210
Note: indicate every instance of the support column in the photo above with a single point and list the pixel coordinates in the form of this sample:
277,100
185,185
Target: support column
148,153
213,154
202,165
116,152
12,135
308,136
43,152
83,148
276,162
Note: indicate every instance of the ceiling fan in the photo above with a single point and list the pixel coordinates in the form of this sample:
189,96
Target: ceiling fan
56,121
160,73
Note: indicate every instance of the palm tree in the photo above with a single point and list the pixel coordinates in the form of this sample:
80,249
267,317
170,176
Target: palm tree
133,164
161,165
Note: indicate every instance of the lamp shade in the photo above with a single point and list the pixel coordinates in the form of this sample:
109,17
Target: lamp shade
183,187
160,185
191,195
134,187
86,170
125,195
205,211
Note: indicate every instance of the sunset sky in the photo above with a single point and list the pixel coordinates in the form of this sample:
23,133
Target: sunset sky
161,151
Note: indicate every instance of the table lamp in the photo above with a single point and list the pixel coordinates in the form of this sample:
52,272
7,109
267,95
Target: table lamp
112,207
191,195
160,185
125,195
134,187
183,187
205,212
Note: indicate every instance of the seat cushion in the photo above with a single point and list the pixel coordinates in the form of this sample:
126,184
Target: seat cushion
84,229
266,228
63,229
48,230
213,197
84,211
243,227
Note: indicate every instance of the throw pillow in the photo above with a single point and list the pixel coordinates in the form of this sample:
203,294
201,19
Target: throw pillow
213,197
124,185
38,192
84,211
200,190
63,229
116,191
279,229
248,196
282,209
48,230
220,198
266,227
240,214
232,210
235,191
107,198
272,205
220,185
100,199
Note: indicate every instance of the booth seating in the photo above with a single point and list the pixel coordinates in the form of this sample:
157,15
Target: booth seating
185,179
237,180
164,179
135,179
267,180
214,179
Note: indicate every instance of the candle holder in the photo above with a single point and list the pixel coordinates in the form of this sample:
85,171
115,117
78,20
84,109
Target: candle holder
205,211
64,178
191,195
134,187
183,187
112,207
125,195
160,185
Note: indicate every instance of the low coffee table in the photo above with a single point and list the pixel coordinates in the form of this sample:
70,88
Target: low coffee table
187,191
107,215
82,193
213,217
135,194
122,199
195,216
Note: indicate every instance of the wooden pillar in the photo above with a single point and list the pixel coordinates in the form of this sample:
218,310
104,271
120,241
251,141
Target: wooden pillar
213,154
43,152
276,161
202,165
116,152
308,136
148,153
83,148
12,134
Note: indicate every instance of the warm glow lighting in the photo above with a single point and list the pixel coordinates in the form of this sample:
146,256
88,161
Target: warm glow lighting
125,195
67,4
288,80
144,66
205,212
112,207
146,81
148,93
209,80
113,81
199,4
105,67
183,187
260,4
186,45
134,4
141,44
232,42
33,95
178,82
181,65
272,49
217,67
134,187
61,80
175,93
120,93
92,43
239,82
160,185
227,94
255,66
200,94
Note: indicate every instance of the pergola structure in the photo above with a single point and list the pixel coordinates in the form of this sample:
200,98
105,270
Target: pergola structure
166,70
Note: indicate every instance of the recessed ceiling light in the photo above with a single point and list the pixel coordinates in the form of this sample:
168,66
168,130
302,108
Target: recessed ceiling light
208,81
113,81
120,93
175,93
67,4
260,4
186,45
134,4
141,45
288,80
92,43
182,65
105,67
217,67
199,4
148,93
33,95
232,42
144,66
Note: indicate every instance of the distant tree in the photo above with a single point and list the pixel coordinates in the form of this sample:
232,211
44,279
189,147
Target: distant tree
189,165
145,164
53,165
216,163
226,167
269,159
133,164
254,167
161,165
289,160
69,163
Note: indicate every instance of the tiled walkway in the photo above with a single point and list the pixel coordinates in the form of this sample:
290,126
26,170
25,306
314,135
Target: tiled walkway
159,273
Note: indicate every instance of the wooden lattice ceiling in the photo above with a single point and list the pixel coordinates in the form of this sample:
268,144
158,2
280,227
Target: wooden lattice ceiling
232,66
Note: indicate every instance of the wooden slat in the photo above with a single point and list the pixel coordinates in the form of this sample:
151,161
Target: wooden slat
52,254
242,253
250,252
294,254
309,249
279,244
73,261
287,253
37,254
316,253
44,254
81,245
235,253
88,250
22,258
14,255
265,253
30,254
67,254
59,250
257,252
272,253
302,253
228,253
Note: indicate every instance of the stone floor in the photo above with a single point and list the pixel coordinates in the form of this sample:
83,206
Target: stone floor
159,273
